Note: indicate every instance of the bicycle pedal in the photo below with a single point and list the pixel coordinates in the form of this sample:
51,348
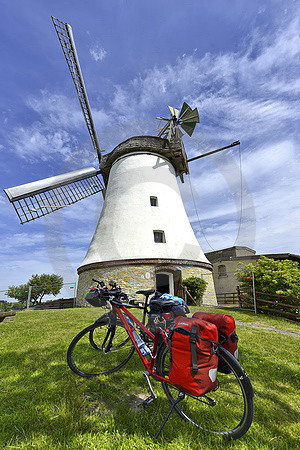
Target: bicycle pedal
148,401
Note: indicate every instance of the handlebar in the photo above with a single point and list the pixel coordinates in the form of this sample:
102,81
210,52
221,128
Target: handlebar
115,295
101,283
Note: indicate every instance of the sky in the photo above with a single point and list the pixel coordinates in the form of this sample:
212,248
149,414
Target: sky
236,61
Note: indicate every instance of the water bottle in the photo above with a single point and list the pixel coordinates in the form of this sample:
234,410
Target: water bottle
144,349
141,344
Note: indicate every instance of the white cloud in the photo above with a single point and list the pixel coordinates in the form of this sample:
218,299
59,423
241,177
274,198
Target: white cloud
272,174
237,92
14,242
57,131
35,142
98,53
279,86
57,109
275,157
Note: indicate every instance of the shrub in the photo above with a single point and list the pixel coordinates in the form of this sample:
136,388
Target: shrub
272,278
196,287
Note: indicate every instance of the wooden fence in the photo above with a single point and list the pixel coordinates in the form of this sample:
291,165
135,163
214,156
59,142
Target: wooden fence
228,298
270,303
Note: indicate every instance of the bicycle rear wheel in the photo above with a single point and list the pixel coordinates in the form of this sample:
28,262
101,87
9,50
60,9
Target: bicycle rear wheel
100,349
227,411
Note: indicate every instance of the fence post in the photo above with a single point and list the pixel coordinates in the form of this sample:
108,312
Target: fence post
253,289
239,296
185,294
74,301
28,297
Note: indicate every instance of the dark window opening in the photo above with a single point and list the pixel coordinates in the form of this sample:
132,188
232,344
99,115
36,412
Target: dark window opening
153,201
159,236
222,271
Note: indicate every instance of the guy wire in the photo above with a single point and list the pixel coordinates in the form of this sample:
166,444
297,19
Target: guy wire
200,226
241,197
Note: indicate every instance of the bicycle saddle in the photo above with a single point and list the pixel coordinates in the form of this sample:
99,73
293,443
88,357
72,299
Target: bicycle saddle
146,293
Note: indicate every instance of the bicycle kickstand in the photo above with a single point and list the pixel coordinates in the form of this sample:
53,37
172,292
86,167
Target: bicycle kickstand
153,396
180,397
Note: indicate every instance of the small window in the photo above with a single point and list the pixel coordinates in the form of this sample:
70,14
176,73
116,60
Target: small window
159,236
222,271
153,201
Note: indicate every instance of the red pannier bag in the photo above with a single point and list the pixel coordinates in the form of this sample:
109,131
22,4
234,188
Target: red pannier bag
193,358
226,334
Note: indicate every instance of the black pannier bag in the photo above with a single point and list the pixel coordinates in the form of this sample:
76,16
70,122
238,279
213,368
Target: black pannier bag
96,298
159,306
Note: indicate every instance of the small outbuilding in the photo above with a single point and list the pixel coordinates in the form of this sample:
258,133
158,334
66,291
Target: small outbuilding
226,262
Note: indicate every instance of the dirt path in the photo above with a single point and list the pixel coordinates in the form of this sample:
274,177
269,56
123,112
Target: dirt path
262,327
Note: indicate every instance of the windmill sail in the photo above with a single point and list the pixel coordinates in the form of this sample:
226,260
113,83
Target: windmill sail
39,198
65,36
42,197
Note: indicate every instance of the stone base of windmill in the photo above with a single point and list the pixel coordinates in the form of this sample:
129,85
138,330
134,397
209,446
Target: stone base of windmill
135,275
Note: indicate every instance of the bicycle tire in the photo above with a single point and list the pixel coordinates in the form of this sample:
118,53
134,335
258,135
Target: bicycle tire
88,360
232,414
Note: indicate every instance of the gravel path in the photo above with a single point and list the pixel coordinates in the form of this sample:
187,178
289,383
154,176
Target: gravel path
262,327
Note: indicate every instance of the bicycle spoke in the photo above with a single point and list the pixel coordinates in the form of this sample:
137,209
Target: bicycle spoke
227,410
86,357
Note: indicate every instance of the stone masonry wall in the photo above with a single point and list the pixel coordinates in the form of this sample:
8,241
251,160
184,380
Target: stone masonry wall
209,297
132,278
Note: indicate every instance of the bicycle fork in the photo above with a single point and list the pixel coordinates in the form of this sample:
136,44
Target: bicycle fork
109,337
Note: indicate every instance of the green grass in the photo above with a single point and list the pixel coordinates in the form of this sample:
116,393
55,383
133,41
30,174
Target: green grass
44,405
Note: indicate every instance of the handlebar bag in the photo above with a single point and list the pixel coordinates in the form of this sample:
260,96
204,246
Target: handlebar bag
95,298
226,334
193,357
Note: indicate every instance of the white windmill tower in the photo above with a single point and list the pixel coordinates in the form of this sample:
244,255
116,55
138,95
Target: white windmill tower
143,238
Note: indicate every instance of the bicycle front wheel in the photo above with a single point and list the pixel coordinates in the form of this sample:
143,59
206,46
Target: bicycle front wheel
227,410
100,349
120,336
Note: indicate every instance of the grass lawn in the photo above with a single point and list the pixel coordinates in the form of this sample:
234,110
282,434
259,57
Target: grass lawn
45,405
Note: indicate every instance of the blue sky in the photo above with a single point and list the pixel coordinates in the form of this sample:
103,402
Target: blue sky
236,61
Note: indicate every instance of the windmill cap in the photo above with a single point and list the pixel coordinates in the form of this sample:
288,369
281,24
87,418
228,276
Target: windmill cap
153,144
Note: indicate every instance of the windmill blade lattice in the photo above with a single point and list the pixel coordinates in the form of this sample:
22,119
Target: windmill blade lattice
65,36
39,198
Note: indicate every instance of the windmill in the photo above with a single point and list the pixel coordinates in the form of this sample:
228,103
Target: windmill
143,238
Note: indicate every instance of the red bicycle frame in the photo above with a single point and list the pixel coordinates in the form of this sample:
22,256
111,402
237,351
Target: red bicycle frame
149,365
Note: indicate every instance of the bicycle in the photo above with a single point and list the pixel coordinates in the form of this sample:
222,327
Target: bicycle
107,345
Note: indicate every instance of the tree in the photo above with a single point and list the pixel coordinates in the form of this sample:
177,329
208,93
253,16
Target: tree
18,292
10,306
281,277
196,287
43,284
